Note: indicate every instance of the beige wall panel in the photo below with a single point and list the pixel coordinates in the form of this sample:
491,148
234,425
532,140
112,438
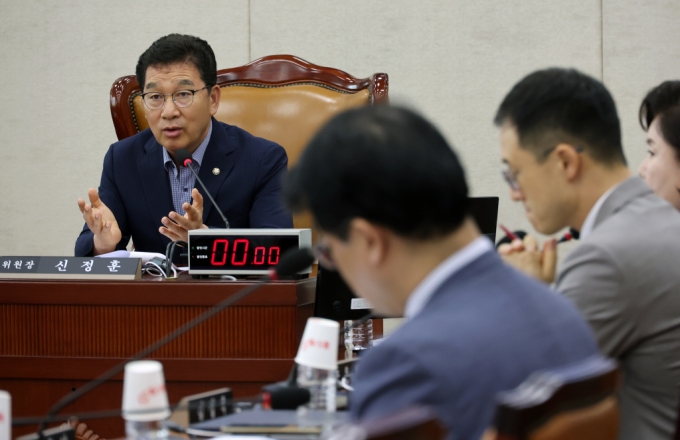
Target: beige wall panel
59,59
641,49
454,60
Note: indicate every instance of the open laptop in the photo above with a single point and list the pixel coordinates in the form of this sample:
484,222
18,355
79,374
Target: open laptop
335,300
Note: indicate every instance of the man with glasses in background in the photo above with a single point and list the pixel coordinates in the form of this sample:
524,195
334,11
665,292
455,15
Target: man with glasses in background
561,143
147,195
390,199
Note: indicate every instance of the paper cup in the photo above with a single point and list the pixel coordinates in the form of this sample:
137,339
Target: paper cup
319,345
144,390
5,416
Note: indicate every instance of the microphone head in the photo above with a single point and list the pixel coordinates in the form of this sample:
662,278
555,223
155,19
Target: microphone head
572,234
506,239
288,397
184,157
292,262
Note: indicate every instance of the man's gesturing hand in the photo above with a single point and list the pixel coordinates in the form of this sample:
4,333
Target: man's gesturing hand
177,227
528,258
101,222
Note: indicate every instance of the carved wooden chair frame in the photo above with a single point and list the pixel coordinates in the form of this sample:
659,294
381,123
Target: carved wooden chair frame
266,72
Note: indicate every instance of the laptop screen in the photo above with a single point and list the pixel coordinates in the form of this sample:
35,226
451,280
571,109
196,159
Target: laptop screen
335,300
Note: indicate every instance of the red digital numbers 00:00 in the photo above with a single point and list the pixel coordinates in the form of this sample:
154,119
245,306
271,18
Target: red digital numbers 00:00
239,253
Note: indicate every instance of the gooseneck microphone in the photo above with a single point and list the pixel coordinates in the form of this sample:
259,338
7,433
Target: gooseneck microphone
286,397
184,157
280,395
291,262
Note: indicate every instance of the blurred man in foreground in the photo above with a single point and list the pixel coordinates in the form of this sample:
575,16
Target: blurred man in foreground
390,198
146,193
561,144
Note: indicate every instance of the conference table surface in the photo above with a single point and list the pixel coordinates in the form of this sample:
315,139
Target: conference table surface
55,335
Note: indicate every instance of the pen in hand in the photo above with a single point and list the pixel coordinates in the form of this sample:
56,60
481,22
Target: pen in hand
511,235
568,236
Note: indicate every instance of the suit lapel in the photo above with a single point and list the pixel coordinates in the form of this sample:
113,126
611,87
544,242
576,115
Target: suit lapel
155,181
628,190
217,157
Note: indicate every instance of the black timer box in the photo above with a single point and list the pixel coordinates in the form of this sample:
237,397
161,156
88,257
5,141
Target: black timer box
242,251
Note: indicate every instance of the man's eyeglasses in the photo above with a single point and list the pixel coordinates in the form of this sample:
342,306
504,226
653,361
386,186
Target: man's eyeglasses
510,178
323,254
181,98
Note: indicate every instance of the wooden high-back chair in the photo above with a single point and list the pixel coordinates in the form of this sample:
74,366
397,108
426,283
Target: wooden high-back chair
281,98
577,402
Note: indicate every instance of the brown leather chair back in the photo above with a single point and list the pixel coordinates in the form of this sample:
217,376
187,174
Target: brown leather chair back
555,407
414,423
281,98
596,422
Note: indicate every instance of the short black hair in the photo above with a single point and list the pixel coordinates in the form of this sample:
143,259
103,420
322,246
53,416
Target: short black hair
385,164
177,48
564,105
663,101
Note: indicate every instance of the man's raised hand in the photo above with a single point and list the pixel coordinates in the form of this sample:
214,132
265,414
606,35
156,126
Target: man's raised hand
177,227
101,222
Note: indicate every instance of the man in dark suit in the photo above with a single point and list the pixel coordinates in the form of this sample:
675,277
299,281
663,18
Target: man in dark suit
561,143
147,195
390,198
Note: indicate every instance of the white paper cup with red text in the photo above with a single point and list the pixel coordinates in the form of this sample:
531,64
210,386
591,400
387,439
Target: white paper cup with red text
144,395
319,345
5,416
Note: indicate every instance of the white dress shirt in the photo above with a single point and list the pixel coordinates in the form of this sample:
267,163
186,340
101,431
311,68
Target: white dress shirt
589,223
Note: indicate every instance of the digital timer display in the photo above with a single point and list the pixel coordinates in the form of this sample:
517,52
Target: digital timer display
242,251
238,252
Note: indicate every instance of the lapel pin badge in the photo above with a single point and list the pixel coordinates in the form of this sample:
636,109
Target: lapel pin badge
216,171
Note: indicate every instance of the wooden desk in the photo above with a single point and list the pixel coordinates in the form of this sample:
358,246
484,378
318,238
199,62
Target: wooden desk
57,335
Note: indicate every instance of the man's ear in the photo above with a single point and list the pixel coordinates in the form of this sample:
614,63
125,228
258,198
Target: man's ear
374,240
215,94
569,161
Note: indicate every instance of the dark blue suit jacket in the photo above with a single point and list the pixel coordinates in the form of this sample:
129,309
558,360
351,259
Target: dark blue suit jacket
135,186
485,330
